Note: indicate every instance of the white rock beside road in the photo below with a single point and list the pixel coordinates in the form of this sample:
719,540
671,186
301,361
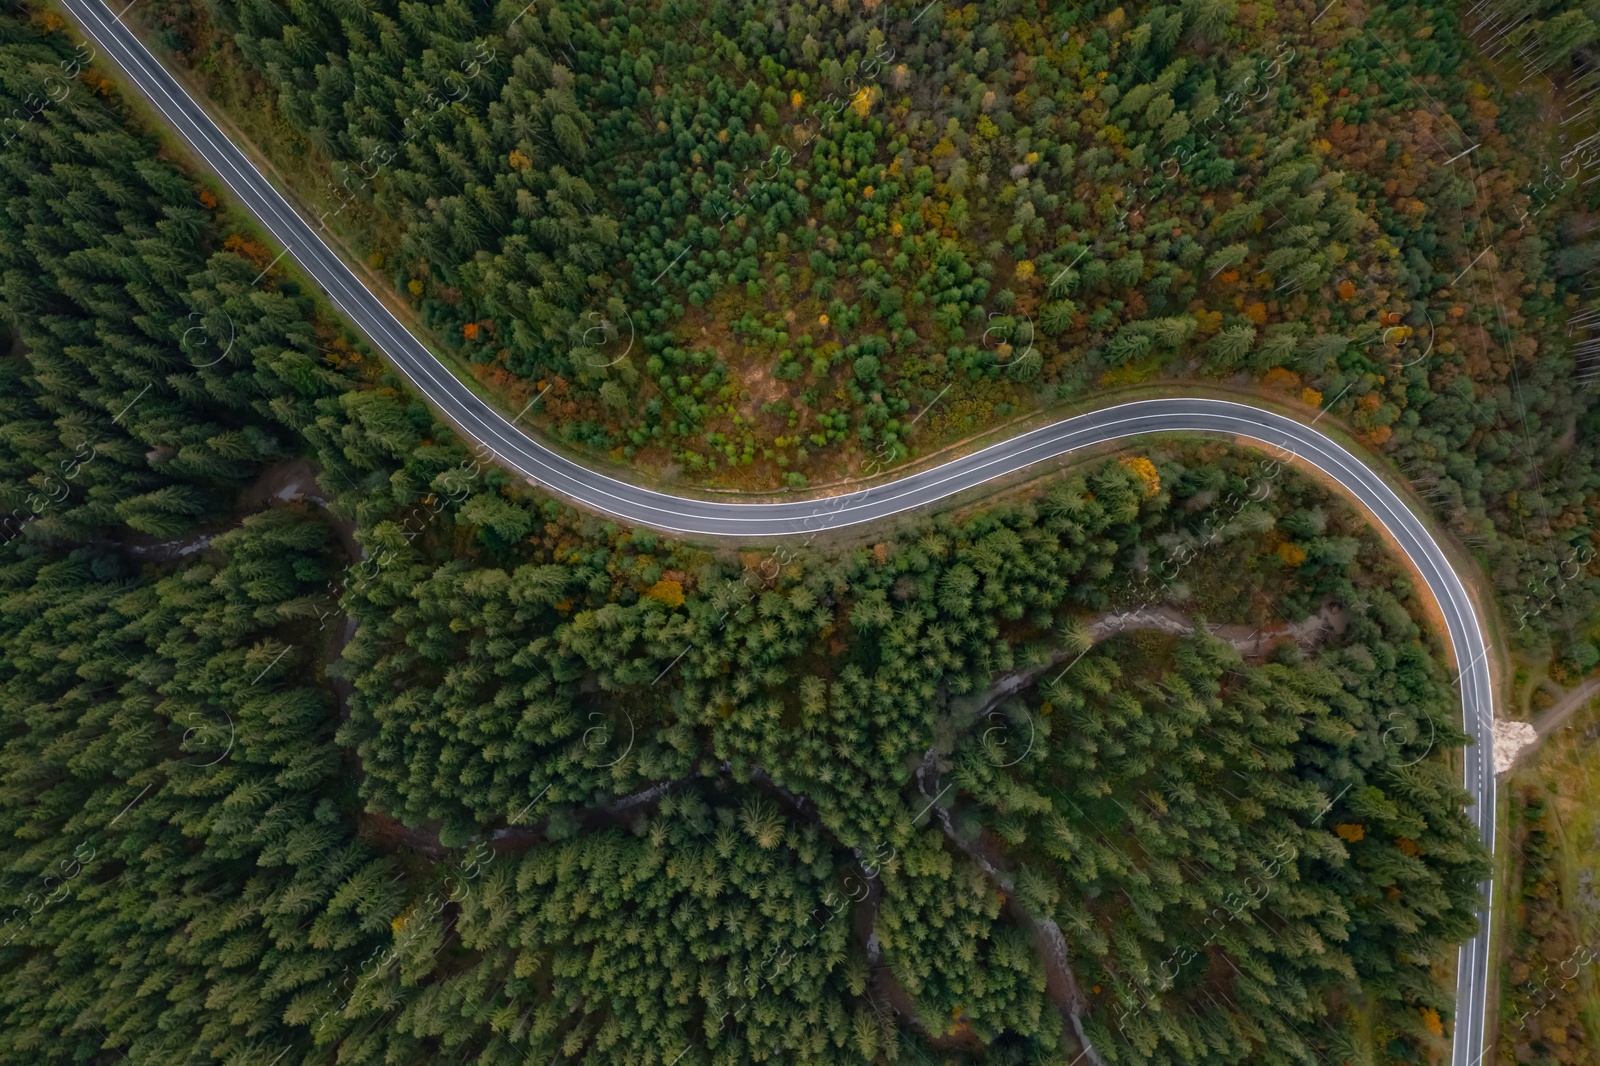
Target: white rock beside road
1510,740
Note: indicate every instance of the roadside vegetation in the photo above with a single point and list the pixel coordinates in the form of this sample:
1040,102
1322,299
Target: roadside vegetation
765,246
1550,1010
418,765
813,243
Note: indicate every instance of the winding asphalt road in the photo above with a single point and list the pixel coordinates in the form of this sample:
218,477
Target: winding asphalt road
561,475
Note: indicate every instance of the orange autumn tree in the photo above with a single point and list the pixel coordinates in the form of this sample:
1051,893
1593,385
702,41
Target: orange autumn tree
1146,472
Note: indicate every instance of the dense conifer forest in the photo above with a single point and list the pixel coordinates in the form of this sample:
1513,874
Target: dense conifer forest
326,741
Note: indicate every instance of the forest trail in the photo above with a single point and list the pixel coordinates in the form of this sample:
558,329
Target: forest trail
1519,739
1556,716
1252,642
285,482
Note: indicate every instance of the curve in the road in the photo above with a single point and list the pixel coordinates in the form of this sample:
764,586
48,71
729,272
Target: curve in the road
514,448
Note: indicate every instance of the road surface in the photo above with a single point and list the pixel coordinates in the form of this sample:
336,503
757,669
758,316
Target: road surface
565,477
